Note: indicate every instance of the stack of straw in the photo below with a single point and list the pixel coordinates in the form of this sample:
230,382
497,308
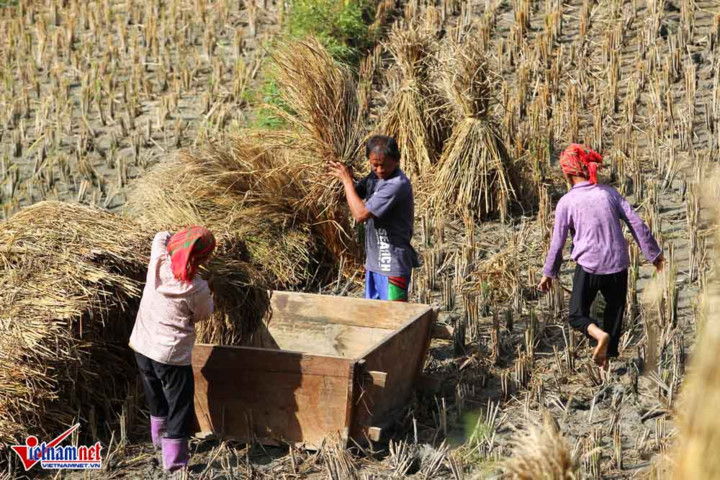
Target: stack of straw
695,454
414,115
542,452
272,189
70,284
241,190
501,272
473,172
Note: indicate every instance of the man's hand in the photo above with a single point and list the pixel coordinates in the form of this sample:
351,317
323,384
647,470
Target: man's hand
545,284
341,171
659,263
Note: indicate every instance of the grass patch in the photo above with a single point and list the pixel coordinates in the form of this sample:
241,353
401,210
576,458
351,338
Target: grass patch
341,25
268,99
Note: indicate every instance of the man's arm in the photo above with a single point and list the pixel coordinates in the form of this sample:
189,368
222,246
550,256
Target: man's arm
357,207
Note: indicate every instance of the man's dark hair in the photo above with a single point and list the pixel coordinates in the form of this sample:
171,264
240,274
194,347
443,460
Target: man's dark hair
383,145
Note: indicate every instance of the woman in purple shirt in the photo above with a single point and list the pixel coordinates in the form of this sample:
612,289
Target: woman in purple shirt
592,214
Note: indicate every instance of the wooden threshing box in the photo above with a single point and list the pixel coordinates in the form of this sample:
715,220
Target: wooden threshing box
322,366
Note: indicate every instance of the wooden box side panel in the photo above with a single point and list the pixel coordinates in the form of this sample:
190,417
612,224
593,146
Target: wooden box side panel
308,335
401,357
271,396
343,310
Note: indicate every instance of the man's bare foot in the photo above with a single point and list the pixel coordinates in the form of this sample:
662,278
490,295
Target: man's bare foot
600,353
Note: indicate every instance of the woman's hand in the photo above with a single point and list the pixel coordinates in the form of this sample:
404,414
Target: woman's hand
212,282
659,263
545,284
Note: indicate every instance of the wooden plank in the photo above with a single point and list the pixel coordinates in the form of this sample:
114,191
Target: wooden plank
238,360
250,394
343,310
374,433
353,374
379,379
307,336
401,356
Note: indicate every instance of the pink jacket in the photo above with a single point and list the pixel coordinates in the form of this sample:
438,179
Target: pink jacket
165,325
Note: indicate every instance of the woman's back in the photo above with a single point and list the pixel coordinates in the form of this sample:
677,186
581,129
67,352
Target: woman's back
165,325
593,213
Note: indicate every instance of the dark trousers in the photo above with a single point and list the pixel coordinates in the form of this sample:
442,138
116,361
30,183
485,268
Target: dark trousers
614,289
169,390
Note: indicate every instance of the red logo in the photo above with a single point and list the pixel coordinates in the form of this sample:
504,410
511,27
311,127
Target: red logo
52,456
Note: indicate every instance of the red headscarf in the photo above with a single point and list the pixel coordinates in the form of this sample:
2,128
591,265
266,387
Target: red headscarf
187,249
581,162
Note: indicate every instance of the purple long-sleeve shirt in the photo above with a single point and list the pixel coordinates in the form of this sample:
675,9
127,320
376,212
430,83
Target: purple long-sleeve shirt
592,213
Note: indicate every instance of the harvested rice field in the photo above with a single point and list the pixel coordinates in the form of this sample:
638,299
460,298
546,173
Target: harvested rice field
122,118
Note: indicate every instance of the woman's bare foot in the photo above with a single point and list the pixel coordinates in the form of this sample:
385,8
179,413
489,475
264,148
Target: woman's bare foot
600,353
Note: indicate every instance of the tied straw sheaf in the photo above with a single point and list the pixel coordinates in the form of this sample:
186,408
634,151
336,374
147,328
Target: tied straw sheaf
474,169
694,454
325,125
413,116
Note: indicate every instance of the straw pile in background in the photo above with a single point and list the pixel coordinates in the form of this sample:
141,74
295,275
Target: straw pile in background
325,125
322,110
472,173
500,275
239,190
70,284
412,115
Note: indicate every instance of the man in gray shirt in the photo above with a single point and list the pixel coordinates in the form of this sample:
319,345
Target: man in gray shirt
384,202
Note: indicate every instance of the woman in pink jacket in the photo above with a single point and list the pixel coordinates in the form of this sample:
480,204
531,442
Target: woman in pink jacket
175,297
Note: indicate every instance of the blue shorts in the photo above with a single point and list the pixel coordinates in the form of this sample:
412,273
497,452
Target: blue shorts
383,287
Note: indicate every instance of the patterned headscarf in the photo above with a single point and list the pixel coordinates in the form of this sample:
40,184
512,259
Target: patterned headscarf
187,249
581,162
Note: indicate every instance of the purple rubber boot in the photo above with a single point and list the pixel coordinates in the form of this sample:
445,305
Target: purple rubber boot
175,453
158,426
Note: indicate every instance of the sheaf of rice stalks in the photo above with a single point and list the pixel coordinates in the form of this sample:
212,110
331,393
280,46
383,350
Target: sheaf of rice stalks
542,453
414,115
473,172
695,454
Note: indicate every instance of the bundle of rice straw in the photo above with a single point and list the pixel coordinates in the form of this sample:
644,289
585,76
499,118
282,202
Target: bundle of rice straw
414,115
472,173
695,454
71,281
500,274
325,125
542,453
321,96
272,188
239,189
